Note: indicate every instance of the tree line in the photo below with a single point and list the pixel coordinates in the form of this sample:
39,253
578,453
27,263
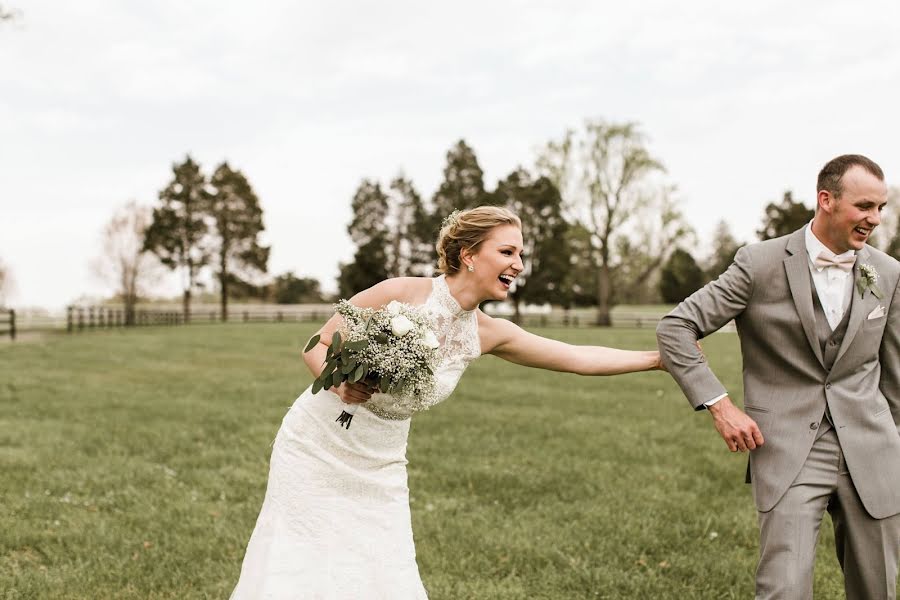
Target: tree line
202,225
601,224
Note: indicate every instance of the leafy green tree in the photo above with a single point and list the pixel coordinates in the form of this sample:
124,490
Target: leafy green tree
463,184
538,204
784,218
369,231
237,215
725,246
242,289
290,289
681,276
410,239
642,253
578,279
610,183
178,232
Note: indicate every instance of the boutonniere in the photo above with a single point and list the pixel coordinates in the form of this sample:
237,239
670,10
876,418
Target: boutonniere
868,280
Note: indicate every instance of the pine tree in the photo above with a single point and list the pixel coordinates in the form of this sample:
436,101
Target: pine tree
178,232
539,206
369,231
237,214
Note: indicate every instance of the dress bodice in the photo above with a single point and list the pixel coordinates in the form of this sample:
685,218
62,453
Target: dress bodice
457,332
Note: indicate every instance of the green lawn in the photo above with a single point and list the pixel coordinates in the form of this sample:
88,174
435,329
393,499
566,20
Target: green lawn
133,464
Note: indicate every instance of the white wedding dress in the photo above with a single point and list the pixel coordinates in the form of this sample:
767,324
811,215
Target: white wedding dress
335,521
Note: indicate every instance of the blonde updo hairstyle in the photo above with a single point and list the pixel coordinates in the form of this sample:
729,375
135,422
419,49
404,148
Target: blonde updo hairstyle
466,230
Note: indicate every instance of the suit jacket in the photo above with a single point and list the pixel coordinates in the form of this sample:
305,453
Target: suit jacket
768,292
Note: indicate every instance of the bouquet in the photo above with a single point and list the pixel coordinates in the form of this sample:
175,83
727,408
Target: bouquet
393,349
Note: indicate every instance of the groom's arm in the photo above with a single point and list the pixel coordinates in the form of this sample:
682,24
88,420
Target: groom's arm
890,357
701,314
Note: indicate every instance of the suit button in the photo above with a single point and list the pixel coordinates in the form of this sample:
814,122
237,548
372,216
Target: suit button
827,386
813,425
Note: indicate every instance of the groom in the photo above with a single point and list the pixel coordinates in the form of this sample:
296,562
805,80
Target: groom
818,315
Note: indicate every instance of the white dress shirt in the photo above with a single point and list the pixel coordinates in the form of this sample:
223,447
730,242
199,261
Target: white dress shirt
834,286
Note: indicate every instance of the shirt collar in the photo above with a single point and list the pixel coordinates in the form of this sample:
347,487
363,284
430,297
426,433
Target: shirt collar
814,247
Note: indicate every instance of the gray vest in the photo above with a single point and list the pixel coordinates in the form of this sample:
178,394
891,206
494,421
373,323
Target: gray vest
829,341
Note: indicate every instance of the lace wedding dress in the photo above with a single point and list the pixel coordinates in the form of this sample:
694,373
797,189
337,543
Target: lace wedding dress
335,521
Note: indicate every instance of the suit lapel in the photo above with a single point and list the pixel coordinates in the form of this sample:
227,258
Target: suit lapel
859,307
796,266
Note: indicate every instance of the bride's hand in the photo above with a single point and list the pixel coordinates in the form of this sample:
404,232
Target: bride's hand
659,366
354,393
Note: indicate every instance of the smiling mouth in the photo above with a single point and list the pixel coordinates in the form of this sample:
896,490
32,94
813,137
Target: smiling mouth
506,280
861,231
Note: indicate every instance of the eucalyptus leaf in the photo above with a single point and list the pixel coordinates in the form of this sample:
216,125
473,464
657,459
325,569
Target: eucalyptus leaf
382,338
384,383
345,355
358,373
336,378
348,368
336,339
312,343
317,385
357,345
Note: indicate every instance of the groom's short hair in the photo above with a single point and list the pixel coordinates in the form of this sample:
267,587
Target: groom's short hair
831,174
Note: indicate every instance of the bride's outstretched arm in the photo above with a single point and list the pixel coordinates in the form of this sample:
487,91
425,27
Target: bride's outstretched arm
510,342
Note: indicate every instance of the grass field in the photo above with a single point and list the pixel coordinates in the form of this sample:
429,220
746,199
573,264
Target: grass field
133,464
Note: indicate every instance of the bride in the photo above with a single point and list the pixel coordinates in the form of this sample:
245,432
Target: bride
335,521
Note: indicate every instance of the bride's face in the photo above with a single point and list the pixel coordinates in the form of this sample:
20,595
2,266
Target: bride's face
497,262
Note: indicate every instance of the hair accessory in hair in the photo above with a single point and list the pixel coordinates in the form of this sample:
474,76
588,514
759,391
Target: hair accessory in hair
451,219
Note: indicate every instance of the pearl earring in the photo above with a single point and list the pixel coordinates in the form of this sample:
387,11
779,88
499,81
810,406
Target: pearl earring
471,269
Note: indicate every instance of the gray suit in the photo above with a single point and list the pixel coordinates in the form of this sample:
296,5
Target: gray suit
796,389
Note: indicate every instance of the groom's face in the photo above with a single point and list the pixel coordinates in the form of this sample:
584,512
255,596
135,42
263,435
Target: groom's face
853,217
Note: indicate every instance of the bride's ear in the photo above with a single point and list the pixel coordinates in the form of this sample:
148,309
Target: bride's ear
465,259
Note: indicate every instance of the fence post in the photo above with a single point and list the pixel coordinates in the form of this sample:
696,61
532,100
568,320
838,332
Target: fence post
246,316
280,317
12,324
80,318
91,317
70,325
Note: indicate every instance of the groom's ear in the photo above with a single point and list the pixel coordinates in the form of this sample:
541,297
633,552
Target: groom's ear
825,201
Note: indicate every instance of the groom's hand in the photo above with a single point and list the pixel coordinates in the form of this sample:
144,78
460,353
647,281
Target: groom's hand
739,431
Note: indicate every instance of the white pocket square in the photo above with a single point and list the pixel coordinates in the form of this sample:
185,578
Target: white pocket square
876,313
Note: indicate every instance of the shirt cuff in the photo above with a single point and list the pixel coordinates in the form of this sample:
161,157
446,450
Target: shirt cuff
709,403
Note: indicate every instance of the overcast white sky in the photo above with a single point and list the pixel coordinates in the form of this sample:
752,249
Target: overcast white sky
98,98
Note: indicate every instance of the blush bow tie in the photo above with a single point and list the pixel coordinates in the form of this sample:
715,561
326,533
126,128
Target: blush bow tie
845,263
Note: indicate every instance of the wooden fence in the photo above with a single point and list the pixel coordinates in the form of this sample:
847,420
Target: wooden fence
8,323
80,318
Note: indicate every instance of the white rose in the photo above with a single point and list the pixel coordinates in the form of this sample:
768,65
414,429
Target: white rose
394,307
400,325
429,340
